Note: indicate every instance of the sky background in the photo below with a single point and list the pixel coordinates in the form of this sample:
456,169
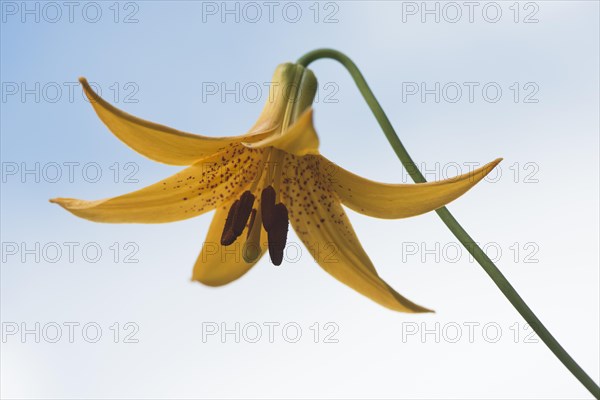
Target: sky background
538,216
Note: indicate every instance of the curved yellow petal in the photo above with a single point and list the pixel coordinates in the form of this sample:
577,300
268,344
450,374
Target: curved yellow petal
197,189
321,223
299,139
218,265
391,201
158,142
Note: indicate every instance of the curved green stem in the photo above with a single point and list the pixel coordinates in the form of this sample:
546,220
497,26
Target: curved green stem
490,268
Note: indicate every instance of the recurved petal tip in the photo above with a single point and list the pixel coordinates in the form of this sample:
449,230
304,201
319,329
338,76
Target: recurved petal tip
58,200
495,162
62,201
87,89
405,305
476,175
423,310
486,169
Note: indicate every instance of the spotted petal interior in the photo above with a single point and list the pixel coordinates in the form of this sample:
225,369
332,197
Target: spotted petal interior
321,223
200,188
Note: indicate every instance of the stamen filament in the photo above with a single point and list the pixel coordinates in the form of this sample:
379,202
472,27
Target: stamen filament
251,249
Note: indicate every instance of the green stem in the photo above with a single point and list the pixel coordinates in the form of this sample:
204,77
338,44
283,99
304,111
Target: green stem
490,268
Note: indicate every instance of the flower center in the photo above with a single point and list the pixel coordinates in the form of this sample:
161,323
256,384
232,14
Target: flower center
293,95
274,219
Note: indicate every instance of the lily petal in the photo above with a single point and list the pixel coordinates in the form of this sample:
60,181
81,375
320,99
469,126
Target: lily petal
218,265
158,142
321,223
390,201
195,190
299,139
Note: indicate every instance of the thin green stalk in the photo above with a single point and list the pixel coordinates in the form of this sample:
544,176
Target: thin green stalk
490,268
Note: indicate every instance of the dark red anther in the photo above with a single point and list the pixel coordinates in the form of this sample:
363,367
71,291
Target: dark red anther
243,213
277,235
267,207
228,236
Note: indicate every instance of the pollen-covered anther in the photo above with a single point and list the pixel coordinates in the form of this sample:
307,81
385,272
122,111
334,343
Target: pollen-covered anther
243,213
267,206
277,235
237,218
228,236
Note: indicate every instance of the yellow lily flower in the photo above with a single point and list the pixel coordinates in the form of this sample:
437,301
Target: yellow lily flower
260,182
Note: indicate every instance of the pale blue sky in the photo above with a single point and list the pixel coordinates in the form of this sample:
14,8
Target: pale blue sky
546,200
